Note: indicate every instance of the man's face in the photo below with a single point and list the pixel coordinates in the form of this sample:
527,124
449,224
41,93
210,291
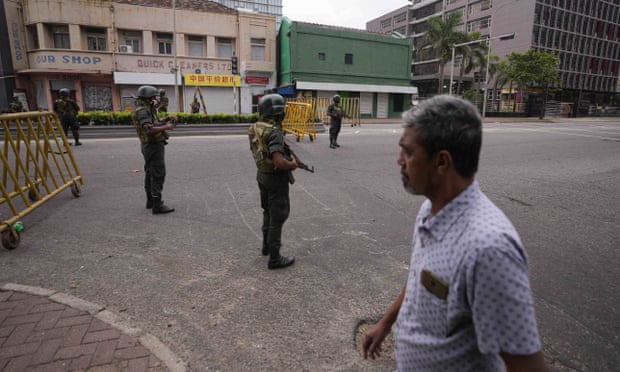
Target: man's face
415,165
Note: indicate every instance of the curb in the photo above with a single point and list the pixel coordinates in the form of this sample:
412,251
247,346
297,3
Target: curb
150,342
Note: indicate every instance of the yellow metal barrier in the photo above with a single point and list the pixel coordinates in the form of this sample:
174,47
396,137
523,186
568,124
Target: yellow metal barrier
37,164
298,120
350,106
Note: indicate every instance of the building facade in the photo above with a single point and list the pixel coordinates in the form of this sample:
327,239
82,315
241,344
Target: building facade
320,61
102,51
271,7
584,34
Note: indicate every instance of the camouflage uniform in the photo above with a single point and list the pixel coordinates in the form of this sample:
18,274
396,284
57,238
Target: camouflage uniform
153,151
67,111
163,104
335,112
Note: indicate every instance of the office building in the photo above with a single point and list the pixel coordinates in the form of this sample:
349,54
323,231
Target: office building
584,34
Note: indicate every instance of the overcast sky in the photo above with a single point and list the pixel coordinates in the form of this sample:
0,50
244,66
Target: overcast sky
345,13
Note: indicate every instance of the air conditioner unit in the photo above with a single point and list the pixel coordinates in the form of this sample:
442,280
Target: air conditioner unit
125,49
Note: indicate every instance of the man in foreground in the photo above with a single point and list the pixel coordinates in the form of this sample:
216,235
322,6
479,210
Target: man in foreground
467,303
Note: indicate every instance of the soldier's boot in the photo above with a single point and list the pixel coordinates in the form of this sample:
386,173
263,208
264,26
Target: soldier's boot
149,201
159,207
76,136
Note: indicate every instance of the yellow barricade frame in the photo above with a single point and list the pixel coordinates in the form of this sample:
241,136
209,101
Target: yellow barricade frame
37,164
299,120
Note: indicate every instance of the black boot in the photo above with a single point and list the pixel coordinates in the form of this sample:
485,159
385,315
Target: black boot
331,142
159,207
280,262
149,201
76,136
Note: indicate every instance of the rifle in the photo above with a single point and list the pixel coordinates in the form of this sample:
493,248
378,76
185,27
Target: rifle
301,165
168,119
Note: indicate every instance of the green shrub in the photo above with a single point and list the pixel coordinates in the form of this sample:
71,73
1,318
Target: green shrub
124,118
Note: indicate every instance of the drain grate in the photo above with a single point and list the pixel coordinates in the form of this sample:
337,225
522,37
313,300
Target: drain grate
387,348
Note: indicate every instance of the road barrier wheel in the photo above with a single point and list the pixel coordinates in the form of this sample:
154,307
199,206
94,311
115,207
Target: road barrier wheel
10,238
75,189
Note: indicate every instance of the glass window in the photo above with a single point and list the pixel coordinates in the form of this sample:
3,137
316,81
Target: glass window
258,49
60,34
164,43
96,39
131,42
196,46
321,56
348,59
34,37
224,47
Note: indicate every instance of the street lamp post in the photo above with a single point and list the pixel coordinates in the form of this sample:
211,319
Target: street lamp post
488,40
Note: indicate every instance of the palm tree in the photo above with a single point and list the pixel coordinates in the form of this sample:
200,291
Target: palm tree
472,56
440,37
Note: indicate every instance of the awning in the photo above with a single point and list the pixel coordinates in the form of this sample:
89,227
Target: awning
347,87
144,78
288,90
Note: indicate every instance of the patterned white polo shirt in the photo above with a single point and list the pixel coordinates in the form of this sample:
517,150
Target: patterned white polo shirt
468,294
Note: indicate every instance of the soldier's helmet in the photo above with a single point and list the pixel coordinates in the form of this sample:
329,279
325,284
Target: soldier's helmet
147,91
162,92
336,98
64,92
271,105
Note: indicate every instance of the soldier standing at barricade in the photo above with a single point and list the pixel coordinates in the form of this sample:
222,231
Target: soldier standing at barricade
275,162
67,111
162,106
153,136
336,113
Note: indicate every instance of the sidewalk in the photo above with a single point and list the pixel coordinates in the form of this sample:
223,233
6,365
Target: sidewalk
43,330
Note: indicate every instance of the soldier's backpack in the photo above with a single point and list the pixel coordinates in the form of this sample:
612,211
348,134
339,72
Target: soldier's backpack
257,134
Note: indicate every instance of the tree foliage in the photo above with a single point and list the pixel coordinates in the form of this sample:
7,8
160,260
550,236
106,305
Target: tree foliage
533,68
440,37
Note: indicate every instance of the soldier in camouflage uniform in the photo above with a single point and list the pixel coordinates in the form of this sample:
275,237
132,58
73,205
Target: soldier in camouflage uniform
153,136
336,113
67,111
162,106
274,161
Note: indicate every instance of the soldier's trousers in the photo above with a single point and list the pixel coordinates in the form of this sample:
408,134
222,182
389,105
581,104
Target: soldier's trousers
71,123
276,206
334,130
154,168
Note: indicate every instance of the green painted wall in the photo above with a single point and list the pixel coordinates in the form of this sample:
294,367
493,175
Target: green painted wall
377,59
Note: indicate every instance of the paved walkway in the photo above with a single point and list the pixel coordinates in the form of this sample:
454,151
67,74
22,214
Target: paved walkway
47,331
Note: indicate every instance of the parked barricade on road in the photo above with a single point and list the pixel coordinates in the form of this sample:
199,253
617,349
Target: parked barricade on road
37,164
298,120
350,106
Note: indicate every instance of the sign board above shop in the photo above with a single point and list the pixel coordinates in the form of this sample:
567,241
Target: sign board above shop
210,80
262,80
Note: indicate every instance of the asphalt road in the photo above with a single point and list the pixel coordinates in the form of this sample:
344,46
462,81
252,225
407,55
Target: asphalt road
195,278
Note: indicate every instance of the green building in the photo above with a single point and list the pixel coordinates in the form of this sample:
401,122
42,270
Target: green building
320,61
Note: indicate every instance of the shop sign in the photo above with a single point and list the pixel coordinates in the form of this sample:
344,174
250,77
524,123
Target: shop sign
257,80
205,80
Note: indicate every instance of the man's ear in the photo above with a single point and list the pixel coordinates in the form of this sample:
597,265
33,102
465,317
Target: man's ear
443,161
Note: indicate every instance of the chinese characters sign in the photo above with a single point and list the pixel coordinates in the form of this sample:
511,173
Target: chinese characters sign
205,80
